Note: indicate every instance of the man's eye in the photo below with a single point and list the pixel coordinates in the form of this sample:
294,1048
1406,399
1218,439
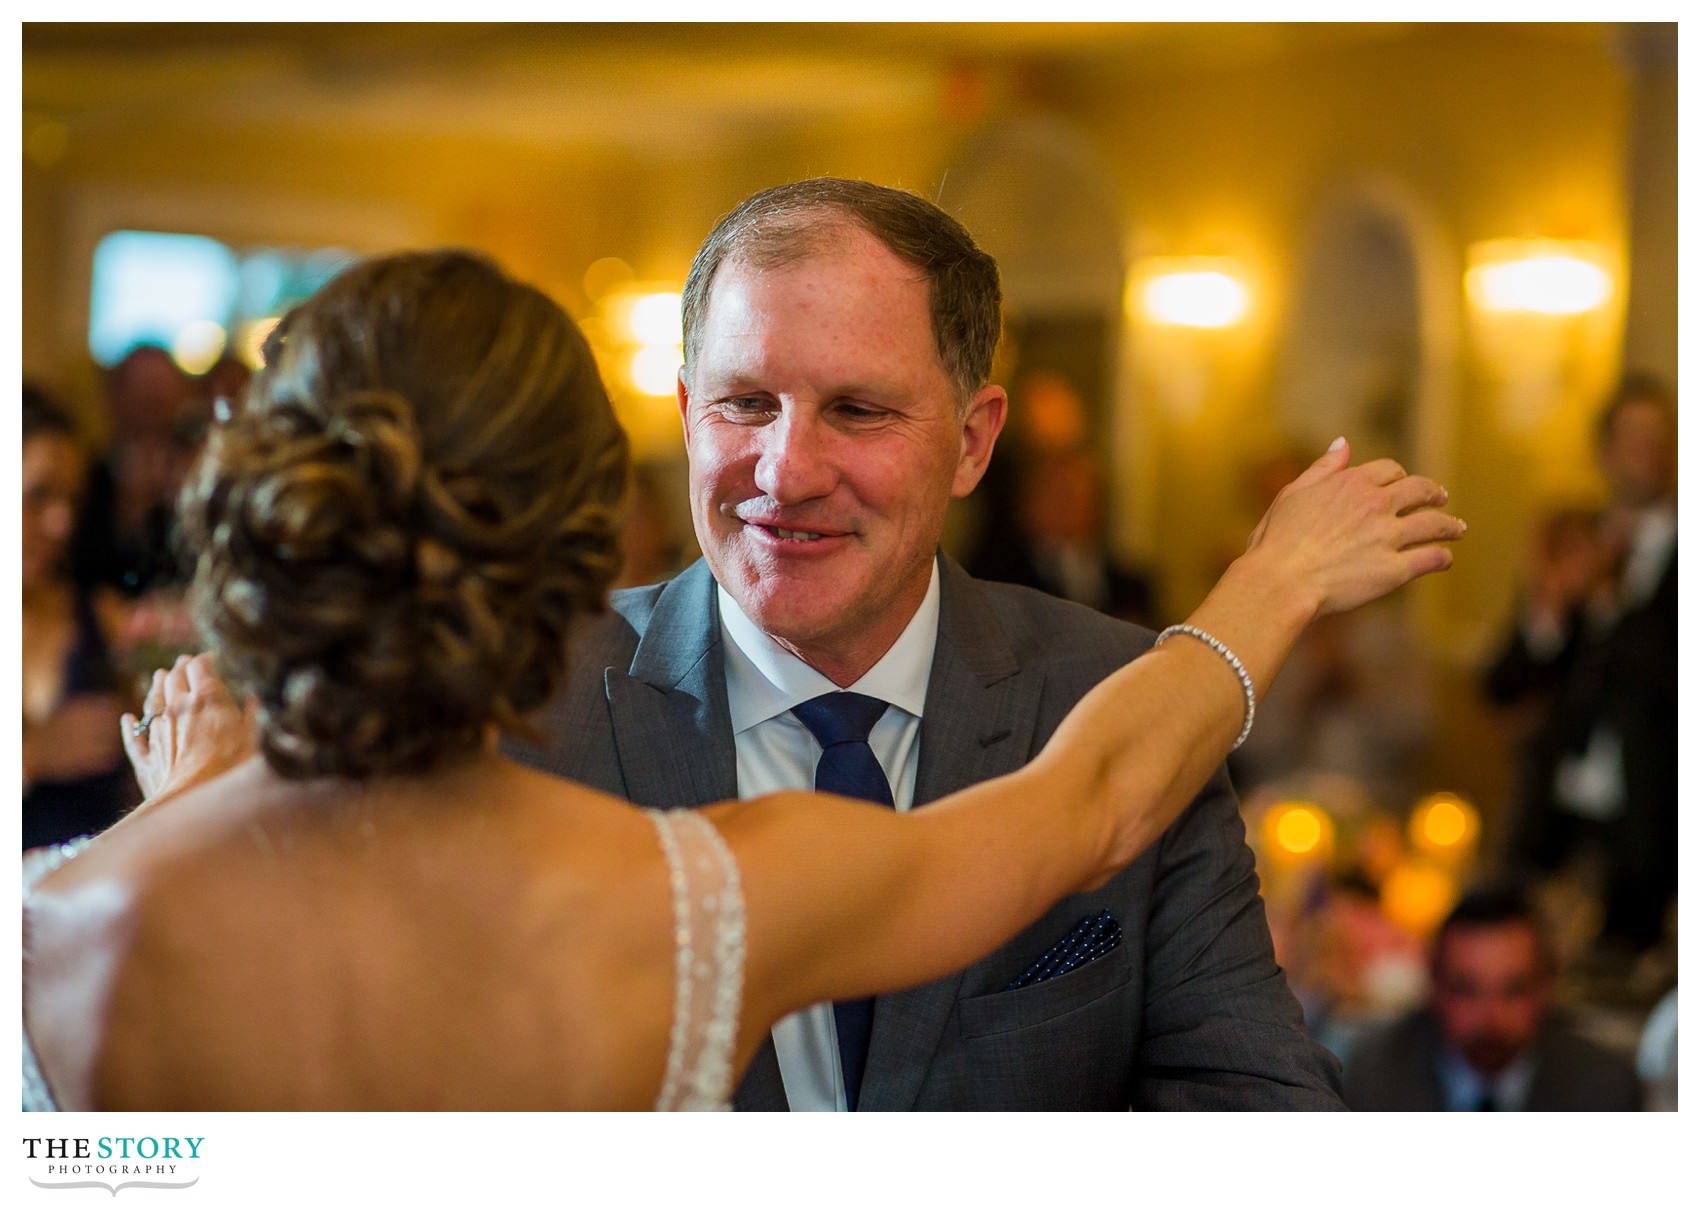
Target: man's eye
851,411
746,407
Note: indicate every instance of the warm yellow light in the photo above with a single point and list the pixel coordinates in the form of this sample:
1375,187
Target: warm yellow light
606,275
1297,830
655,369
654,319
1547,277
1416,895
1444,825
1196,293
251,339
197,346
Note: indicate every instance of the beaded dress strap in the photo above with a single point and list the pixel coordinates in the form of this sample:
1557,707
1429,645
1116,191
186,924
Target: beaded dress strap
708,962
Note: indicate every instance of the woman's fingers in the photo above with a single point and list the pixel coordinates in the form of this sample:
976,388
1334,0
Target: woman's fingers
200,672
177,680
1426,559
1383,471
1415,493
1428,526
1336,458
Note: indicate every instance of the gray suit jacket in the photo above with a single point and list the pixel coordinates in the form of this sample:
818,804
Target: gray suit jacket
1190,1011
1395,1068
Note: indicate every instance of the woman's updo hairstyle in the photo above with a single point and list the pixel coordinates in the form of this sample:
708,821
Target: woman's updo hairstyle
394,530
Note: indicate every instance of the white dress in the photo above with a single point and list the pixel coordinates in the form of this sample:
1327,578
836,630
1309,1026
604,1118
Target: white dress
37,864
708,963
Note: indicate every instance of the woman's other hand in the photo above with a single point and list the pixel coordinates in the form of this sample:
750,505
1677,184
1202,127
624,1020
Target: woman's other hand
194,730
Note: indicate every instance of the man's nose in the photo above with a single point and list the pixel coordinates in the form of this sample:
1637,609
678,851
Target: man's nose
796,461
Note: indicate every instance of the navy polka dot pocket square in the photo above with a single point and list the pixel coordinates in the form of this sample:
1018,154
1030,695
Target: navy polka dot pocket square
1095,935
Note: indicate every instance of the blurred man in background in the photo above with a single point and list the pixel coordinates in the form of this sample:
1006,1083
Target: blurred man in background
1594,656
1489,1039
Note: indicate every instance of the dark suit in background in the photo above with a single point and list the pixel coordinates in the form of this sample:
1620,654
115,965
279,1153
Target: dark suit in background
1396,1069
1619,676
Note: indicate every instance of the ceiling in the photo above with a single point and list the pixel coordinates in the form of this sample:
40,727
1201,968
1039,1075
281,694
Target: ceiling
655,86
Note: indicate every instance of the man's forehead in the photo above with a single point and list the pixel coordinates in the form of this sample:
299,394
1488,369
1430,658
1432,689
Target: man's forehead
824,237
1495,943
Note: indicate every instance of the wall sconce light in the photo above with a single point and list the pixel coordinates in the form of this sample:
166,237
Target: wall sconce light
1190,292
644,327
1545,277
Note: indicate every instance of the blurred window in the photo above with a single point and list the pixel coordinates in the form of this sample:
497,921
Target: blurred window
196,296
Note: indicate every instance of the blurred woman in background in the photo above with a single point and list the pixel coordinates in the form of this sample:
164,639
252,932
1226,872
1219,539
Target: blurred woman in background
75,778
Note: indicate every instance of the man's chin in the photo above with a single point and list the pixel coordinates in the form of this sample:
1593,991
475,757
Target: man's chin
1489,1058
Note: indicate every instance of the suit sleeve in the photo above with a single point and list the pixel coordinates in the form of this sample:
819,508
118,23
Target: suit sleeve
1222,1029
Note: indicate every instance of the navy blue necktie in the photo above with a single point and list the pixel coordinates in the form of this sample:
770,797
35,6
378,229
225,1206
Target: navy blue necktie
841,722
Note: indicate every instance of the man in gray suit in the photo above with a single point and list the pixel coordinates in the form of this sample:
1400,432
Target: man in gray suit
1490,1039
835,398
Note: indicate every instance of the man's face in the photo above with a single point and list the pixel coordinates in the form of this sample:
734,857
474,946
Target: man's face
1490,991
825,443
1638,453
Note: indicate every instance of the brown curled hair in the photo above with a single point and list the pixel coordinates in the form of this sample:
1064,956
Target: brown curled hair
394,531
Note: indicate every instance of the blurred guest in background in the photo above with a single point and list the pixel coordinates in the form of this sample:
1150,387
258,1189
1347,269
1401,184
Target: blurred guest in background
75,778
124,539
1594,658
1489,1039
1059,545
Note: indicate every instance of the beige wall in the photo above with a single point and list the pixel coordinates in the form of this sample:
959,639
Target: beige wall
1478,132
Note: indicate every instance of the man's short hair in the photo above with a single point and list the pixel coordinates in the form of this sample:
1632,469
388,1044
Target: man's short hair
1636,387
782,225
1497,905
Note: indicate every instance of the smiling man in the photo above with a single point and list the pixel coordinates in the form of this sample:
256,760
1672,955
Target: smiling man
835,399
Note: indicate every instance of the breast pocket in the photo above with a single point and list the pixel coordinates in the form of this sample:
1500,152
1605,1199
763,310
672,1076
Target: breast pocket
1066,1044
1034,1006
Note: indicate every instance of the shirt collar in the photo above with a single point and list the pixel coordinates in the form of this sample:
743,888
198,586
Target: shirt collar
764,679
1464,1085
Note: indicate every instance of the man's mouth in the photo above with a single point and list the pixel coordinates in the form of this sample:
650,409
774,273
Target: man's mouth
785,534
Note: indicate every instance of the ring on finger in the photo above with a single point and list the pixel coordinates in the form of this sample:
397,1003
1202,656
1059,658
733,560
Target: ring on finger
140,728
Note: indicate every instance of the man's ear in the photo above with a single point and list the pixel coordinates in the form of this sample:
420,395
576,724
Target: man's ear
684,394
981,425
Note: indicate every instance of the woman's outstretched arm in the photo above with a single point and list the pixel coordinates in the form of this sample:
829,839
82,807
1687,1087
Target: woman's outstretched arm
845,899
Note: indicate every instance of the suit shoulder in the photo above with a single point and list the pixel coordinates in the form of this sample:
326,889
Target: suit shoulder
1602,1074
1044,625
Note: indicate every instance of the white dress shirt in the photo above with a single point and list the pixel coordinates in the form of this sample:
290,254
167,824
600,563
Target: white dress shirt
775,752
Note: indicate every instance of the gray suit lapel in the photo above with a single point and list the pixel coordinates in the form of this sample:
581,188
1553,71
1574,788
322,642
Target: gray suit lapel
673,731
672,725
981,714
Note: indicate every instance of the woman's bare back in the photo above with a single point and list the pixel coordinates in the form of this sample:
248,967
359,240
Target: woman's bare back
486,938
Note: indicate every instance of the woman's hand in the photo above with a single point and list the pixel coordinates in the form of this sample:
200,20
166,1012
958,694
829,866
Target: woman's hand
194,730
1340,536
